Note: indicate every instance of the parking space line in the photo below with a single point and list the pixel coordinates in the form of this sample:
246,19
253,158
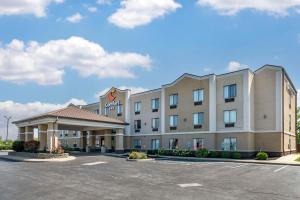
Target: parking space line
94,163
185,185
281,168
238,166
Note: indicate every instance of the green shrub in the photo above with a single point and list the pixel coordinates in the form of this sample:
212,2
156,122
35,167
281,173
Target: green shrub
262,156
202,153
137,155
18,146
6,145
58,150
213,154
225,154
31,146
236,155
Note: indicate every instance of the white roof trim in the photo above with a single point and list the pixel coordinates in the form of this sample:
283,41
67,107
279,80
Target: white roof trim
189,76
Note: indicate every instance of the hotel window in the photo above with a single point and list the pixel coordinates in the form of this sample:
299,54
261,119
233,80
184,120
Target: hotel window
137,144
106,111
119,110
155,144
155,124
290,123
75,144
97,111
229,118
173,122
198,96
173,101
137,125
229,144
290,100
137,107
229,93
173,143
155,104
198,119
198,143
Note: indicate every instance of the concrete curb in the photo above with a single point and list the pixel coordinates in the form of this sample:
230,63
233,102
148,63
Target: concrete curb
140,160
23,159
192,159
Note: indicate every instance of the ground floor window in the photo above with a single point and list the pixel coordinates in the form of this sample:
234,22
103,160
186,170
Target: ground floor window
155,144
173,143
198,143
229,144
137,144
75,144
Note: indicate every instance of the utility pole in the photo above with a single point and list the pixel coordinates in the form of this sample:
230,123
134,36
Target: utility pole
7,123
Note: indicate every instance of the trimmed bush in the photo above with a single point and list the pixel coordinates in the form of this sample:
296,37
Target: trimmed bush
236,155
262,156
31,146
6,145
225,154
137,155
18,146
213,154
202,153
58,150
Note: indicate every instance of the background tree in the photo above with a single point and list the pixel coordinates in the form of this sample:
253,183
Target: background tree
298,125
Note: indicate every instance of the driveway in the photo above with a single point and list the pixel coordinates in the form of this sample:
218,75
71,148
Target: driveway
102,177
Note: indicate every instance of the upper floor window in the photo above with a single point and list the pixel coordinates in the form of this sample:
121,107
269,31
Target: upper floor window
198,119
290,100
137,125
230,118
198,96
106,111
155,104
229,144
173,101
229,92
119,110
173,122
137,107
290,123
155,124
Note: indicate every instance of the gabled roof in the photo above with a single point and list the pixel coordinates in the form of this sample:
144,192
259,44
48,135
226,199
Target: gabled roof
74,112
189,76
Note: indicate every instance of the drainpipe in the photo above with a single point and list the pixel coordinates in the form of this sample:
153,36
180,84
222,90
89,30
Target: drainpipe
283,116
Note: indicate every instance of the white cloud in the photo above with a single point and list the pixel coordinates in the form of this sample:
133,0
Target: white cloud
207,69
104,2
21,7
45,63
20,111
234,66
92,9
232,7
76,18
134,90
140,12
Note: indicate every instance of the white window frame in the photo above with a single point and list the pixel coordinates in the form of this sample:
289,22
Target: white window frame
137,106
227,91
172,144
155,103
231,118
173,99
120,109
173,122
136,124
155,123
196,118
155,144
229,144
195,142
198,95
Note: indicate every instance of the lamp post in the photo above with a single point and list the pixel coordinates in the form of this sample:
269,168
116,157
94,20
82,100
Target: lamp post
7,123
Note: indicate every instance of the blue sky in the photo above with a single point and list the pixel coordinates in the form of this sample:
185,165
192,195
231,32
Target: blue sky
138,43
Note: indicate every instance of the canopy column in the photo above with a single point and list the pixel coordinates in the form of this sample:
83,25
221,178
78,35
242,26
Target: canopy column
21,135
28,133
52,139
43,136
120,141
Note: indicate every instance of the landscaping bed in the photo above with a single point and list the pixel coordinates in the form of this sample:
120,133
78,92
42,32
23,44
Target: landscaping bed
38,155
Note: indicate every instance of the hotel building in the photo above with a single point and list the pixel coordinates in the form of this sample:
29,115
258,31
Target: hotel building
244,111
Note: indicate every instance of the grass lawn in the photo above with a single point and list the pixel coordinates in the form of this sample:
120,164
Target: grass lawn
298,159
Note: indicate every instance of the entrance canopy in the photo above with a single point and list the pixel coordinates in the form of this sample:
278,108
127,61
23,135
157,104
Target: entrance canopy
69,118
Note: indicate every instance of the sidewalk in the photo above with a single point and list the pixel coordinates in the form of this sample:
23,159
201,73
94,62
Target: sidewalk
26,159
285,160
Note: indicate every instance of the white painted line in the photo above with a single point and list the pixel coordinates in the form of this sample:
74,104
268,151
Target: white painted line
234,167
94,163
185,185
281,168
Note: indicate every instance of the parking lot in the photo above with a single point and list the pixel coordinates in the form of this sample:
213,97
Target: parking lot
102,177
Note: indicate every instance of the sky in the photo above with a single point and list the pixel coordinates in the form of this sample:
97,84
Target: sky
56,52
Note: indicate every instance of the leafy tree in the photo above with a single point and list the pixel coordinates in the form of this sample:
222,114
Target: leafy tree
298,125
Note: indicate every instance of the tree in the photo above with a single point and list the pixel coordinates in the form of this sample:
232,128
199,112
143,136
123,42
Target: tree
298,125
